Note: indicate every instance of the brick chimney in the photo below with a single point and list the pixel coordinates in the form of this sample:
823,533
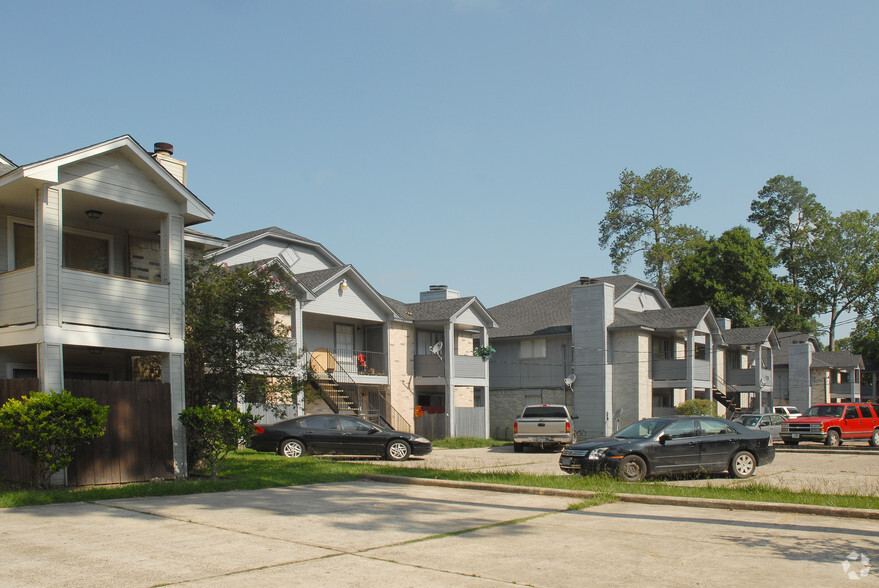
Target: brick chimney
162,153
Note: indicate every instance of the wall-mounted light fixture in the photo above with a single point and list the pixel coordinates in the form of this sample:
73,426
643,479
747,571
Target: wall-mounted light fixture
93,214
343,285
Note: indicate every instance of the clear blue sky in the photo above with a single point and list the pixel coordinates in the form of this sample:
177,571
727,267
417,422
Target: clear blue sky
461,142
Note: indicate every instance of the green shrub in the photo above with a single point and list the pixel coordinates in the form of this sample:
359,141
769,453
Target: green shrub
698,406
213,431
47,429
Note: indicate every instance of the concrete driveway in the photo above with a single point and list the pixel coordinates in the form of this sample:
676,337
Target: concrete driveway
376,534
853,470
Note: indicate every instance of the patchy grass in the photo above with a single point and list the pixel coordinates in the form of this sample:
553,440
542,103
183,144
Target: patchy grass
249,470
468,443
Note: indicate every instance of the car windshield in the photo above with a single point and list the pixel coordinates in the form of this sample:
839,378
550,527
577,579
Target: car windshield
748,421
825,411
642,429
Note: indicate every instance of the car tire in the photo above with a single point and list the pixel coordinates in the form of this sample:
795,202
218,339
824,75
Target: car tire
292,448
398,450
518,447
874,438
742,464
632,468
832,439
791,442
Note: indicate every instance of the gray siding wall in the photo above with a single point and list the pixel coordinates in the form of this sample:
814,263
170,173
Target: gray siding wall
510,372
799,374
592,311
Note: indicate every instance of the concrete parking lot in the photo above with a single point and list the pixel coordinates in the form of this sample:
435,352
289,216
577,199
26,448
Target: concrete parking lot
376,534
847,470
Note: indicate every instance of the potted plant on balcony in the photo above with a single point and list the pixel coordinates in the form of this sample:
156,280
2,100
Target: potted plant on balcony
484,352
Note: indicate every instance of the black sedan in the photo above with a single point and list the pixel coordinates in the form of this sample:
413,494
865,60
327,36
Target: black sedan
342,434
673,445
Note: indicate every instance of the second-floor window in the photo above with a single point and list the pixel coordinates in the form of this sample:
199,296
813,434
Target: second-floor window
80,249
532,349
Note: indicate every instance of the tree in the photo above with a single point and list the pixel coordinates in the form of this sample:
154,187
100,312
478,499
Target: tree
732,274
787,214
48,428
235,344
841,268
214,431
639,219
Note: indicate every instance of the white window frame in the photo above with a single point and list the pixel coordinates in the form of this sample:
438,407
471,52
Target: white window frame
10,242
100,236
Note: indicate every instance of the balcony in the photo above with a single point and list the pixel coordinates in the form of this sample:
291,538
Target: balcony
842,390
18,291
740,377
675,370
100,300
466,366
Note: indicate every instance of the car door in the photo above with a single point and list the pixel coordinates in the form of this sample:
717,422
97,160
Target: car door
717,441
854,424
677,448
321,433
360,437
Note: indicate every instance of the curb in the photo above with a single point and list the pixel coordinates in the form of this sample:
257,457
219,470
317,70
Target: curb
827,511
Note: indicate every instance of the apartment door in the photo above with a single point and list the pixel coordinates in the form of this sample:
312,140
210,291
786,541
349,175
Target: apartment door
345,347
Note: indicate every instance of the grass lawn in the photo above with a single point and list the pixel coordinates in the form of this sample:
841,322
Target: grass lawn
248,470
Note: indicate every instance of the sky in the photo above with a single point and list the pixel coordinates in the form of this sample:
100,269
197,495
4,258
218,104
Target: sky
470,143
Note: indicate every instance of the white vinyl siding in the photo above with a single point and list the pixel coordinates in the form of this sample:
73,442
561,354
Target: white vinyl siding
114,302
18,293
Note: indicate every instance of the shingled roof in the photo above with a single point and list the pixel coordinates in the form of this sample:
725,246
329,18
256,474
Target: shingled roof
433,310
687,317
747,335
275,231
548,312
837,360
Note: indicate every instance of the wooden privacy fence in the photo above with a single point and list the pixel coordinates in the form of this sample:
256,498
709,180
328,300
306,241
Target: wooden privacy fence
137,447
13,466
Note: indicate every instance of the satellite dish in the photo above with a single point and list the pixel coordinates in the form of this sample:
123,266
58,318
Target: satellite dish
569,380
436,348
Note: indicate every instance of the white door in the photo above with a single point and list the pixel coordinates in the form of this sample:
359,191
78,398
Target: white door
345,347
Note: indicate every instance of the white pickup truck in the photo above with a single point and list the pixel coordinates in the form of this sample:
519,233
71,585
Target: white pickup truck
544,425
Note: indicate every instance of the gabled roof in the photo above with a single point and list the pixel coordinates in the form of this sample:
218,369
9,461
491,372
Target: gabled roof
549,312
440,310
319,279
664,319
787,338
273,264
243,239
837,360
47,170
6,165
750,336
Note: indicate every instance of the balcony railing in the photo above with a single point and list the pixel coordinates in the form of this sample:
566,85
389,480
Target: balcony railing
364,363
676,369
429,366
101,300
18,291
845,390
740,376
466,366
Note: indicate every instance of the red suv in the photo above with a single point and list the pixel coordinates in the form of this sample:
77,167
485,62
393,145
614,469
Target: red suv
833,423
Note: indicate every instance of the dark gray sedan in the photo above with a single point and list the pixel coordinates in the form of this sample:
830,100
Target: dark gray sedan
673,445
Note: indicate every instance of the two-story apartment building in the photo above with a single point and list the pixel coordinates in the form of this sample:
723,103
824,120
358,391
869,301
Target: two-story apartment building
91,267
615,351
805,375
370,354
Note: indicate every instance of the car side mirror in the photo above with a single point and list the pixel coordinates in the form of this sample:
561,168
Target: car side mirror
663,438
573,416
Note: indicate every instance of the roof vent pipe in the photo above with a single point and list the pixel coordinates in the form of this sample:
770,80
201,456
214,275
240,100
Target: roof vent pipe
163,148
584,280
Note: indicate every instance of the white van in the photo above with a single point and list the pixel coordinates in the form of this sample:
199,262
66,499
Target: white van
788,412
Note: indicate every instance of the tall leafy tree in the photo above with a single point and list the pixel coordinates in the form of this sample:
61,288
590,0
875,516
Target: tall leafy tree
731,273
639,220
787,214
234,343
841,269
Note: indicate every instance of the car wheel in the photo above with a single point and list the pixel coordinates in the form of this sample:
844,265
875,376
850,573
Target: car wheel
742,465
632,468
874,438
398,450
292,448
832,439
793,442
518,447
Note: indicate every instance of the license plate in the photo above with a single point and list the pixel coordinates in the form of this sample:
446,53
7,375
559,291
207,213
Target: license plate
795,436
566,461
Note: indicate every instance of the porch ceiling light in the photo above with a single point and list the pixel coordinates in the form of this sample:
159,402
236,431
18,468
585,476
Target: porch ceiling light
343,285
93,214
